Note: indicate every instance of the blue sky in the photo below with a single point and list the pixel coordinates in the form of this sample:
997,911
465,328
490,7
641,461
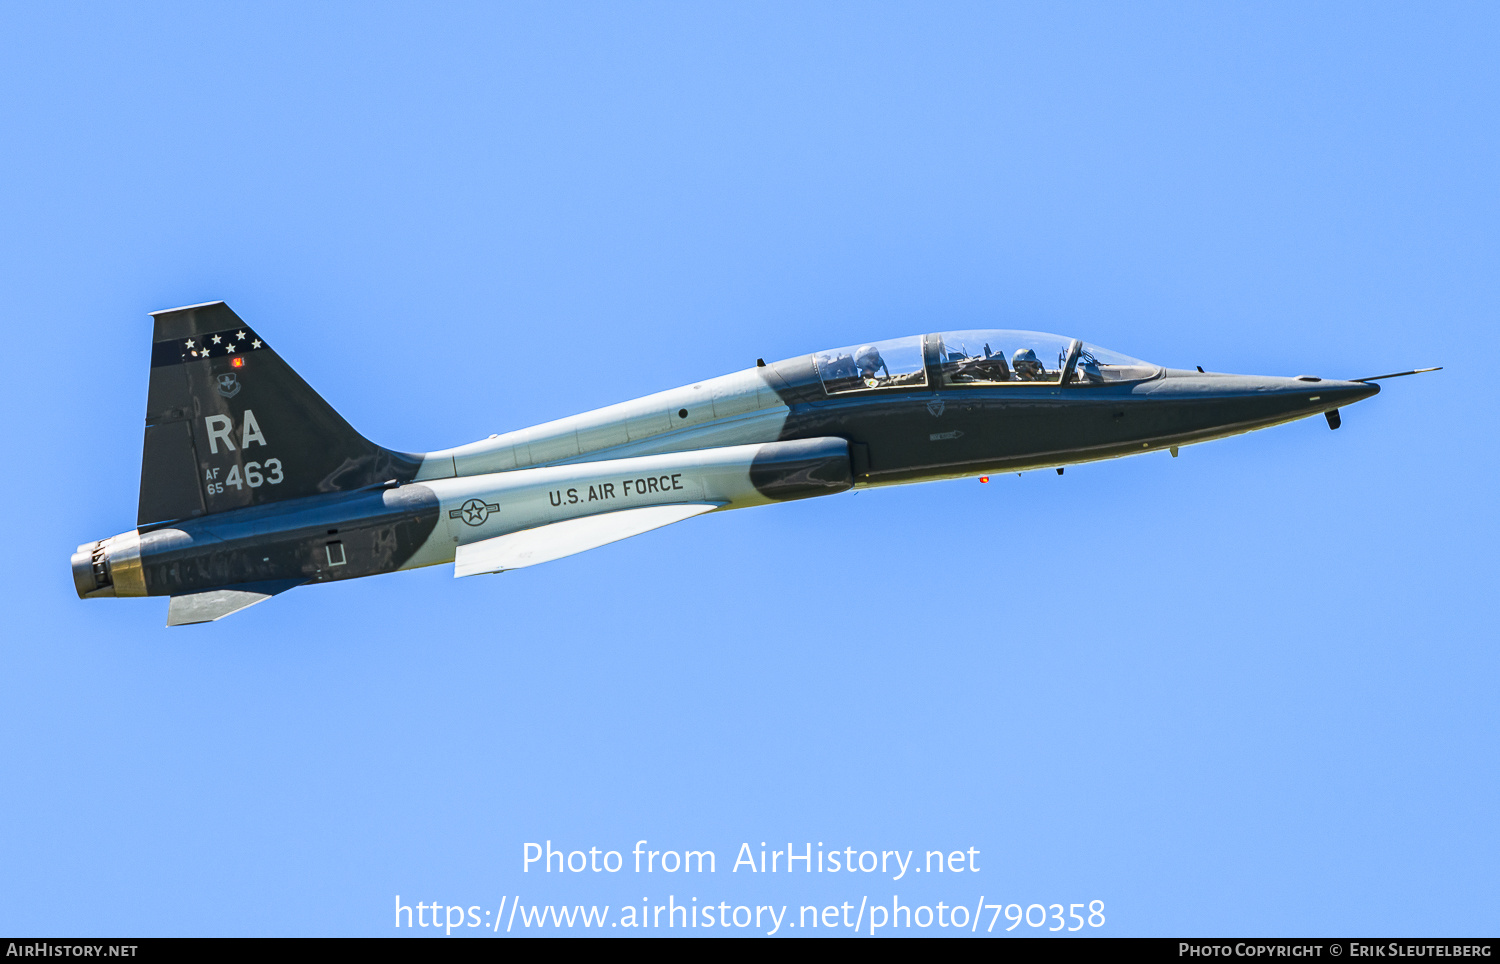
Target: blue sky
1247,691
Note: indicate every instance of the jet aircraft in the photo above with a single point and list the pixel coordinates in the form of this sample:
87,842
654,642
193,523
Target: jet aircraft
251,484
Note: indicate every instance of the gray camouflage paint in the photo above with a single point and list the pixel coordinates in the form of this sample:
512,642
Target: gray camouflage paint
342,507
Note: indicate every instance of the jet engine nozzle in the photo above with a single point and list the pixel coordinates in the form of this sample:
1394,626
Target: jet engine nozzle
109,567
91,571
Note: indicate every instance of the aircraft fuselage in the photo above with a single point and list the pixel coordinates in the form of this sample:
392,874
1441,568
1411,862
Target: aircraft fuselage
803,427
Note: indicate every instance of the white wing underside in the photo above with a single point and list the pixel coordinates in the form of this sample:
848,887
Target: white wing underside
545,543
205,607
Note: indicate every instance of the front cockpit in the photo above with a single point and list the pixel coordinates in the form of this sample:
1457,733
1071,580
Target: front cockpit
969,401
978,357
998,356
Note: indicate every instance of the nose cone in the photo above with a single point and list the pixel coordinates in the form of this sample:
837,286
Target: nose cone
1326,396
1304,391
1229,404
1305,395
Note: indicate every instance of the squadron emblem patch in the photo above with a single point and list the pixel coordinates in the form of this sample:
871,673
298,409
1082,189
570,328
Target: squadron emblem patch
229,384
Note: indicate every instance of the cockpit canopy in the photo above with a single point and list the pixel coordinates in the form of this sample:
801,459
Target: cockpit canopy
976,357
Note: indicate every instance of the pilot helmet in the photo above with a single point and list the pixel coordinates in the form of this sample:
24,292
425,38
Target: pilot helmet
868,360
1025,362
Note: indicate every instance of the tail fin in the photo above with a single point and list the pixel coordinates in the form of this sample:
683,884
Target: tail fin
229,425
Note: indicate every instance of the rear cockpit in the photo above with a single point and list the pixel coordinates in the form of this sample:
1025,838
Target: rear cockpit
978,357
897,363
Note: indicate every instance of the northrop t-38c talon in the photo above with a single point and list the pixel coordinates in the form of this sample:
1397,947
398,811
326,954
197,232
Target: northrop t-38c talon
252,484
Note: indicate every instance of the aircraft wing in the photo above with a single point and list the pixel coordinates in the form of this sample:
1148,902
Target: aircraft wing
545,543
205,607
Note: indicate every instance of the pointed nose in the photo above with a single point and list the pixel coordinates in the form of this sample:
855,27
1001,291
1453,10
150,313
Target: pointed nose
1336,394
1304,391
1256,399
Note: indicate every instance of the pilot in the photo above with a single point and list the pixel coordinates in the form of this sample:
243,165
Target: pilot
1026,366
867,359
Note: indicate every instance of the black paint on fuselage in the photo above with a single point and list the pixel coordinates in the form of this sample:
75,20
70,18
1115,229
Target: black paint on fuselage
912,434
223,408
317,539
802,469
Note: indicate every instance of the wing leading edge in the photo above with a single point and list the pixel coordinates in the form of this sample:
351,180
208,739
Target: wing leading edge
530,547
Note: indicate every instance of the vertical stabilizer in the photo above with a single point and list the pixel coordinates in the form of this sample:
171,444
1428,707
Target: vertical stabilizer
229,425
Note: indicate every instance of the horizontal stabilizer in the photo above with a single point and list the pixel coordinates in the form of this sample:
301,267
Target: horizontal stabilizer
205,607
545,543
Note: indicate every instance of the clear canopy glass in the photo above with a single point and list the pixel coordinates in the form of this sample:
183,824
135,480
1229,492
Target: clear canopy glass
992,356
1097,366
995,356
883,364
981,356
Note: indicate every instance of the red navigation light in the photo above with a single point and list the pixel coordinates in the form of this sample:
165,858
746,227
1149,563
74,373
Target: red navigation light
237,362
982,478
